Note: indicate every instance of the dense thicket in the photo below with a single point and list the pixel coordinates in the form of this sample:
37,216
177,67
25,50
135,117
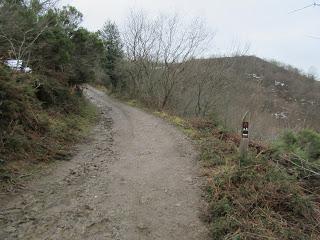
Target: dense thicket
50,40
43,112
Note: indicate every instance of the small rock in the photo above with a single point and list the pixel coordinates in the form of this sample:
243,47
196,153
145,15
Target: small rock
141,226
144,200
189,179
11,229
87,207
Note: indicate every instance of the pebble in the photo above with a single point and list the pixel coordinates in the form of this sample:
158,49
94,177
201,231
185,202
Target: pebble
11,229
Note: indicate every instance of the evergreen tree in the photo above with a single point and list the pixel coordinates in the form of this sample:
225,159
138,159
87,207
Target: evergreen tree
114,53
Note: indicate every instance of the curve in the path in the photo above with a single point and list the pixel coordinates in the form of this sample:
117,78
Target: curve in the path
137,178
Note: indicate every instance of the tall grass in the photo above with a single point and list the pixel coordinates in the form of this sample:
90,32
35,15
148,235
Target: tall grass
264,197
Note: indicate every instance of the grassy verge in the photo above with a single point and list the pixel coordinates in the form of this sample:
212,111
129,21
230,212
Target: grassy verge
265,198
269,195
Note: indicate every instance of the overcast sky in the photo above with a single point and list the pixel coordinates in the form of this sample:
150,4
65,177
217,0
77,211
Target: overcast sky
267,25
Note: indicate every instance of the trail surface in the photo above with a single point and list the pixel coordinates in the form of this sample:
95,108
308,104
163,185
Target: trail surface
134,178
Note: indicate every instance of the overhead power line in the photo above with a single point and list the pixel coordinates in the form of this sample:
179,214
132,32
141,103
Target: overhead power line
314,37
311,5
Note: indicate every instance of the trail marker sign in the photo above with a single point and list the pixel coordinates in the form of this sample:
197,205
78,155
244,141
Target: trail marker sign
245,129
244,143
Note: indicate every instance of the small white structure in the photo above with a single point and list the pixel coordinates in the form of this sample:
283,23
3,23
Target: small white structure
254,76
276,83
281,115
17,65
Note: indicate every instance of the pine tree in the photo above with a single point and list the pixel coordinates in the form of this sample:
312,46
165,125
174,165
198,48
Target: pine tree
114,53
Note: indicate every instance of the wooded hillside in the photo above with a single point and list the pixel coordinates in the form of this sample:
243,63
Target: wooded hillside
42,112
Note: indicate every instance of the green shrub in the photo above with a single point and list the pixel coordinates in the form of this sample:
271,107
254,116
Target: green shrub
221,208
300,152
309,141
289,140
37,121
261,198
222,227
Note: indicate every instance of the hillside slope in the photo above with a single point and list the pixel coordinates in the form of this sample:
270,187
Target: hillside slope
277,96
287,93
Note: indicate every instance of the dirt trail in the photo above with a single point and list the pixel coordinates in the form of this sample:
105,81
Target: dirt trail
135,178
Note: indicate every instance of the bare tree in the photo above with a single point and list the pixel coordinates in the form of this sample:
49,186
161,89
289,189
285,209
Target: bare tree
139,41
208,82
158,50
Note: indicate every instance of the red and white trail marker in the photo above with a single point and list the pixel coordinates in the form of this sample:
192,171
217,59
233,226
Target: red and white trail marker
245,129
244,143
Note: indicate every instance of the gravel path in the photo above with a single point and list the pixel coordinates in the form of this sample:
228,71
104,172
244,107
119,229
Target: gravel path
134,178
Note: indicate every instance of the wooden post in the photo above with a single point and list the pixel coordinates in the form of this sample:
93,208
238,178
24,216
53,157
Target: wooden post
244,143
